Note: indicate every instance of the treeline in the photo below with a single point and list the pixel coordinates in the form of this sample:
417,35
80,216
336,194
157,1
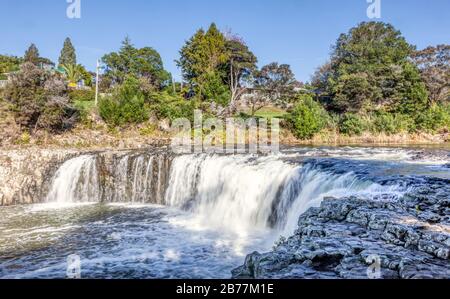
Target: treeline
375,81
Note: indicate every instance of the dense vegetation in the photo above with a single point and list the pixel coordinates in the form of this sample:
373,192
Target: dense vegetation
374,82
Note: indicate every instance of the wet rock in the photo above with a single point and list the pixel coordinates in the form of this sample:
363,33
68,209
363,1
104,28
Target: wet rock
350,237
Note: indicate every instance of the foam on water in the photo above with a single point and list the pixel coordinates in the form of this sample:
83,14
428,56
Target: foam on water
216,209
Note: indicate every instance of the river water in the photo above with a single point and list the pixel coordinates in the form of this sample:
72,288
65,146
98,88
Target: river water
213,211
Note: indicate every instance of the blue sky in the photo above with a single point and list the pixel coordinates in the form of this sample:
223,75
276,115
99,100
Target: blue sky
296,32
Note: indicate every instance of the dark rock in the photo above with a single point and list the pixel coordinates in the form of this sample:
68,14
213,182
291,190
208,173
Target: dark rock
349,237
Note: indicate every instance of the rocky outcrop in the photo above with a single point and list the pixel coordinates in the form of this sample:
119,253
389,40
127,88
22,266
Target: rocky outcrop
352,238
26,175
23,173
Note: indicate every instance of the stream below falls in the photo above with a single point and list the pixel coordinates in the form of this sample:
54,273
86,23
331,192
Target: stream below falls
191,216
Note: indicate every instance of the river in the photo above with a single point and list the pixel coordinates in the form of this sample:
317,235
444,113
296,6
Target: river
202,219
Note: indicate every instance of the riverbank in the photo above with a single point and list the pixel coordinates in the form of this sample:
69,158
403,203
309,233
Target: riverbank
147,135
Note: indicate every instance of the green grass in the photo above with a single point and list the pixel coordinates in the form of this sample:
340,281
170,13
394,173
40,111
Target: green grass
271,112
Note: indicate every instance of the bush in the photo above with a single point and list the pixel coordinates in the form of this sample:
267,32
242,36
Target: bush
84,95
39,99
434,119
125,106
164,105
391,123
118,112
307,118
85,109
352,124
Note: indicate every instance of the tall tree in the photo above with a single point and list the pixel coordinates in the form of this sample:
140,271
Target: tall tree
370,69
32,55
434,66
202,59
240,67
68,55
144,63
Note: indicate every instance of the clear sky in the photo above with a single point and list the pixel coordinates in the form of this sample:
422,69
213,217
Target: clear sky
296,32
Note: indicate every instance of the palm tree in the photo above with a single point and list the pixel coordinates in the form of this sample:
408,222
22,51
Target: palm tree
74,73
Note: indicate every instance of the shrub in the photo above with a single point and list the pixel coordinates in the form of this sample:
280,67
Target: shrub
39,99
434,119
125,106
84,95
164,105
307,118
84,109
384,122
352,124
117,112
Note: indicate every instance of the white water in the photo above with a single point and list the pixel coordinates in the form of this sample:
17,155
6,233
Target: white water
244,193
216,209
241,194
75,181
236,193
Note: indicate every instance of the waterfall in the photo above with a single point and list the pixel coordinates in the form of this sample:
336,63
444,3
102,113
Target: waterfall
248,192
229,191
237,192
76,181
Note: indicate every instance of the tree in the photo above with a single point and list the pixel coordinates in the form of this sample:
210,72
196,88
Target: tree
240,67
8,64
273,84
370,70
140,63
32,55
202,59
68,55
434,66
74,73
39,99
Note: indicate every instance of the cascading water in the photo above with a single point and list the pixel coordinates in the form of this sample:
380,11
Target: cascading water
240,193
235,192
243,193
196,216
76,181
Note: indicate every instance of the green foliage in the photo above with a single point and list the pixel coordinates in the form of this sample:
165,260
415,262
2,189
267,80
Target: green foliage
119,112
74,73
32,55
307,118
39,100
213,89
25,138
390,123
68,55
8,64
172,107
369,69
352,124
83,95
139,63
203,61
125,106
434,119
352,92
203,53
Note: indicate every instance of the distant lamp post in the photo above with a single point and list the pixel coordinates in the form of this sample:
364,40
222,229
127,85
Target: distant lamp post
96,83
